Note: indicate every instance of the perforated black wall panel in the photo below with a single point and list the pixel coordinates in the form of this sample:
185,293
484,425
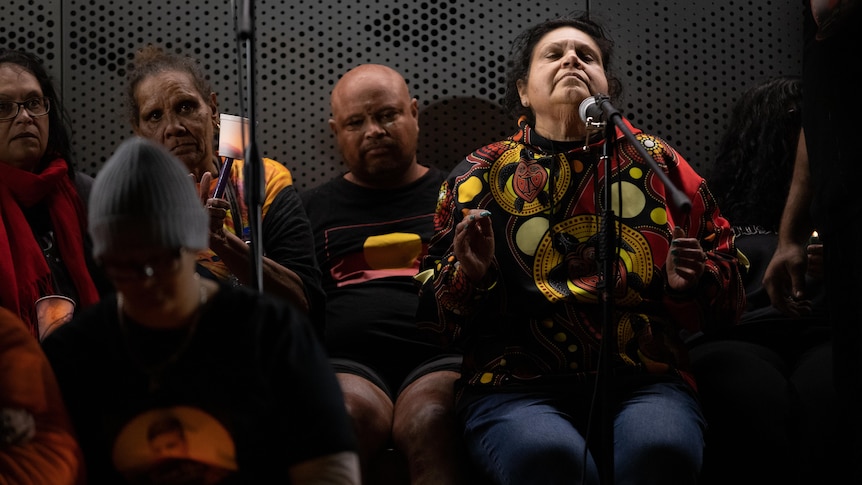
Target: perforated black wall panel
681,62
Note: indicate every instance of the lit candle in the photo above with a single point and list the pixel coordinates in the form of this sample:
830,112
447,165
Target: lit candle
814,238
233,136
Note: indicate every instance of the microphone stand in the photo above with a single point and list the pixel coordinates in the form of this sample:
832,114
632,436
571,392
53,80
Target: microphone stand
607,252
253,170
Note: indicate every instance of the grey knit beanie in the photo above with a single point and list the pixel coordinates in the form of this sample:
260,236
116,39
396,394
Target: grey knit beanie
144,198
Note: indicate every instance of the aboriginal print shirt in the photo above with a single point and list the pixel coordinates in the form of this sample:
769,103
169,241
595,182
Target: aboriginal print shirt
537,318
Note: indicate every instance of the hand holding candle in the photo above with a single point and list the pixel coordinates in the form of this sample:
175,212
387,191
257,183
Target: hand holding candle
814,256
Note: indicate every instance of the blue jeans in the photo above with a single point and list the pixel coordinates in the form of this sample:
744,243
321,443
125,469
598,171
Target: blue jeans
536,437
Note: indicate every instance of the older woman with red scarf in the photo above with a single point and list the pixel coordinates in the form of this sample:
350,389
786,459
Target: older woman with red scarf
43,252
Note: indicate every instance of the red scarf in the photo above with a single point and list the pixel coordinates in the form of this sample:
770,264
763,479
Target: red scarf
24,273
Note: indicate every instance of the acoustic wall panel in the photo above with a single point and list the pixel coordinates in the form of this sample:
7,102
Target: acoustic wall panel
35,27
682,63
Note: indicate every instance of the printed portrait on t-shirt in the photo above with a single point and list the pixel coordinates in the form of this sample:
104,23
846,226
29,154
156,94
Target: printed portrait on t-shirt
173,446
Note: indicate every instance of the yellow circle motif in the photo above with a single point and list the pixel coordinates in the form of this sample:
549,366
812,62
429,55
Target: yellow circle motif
468,189
530,233
659,216
633,200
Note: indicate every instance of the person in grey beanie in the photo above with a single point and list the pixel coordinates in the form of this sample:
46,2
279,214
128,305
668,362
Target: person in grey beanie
225,361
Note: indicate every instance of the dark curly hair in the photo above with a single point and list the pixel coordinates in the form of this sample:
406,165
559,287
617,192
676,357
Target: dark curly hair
152,59
58,136
521,53
754,166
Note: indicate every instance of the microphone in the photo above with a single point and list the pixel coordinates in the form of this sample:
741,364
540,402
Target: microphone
246,24
590,111
596,110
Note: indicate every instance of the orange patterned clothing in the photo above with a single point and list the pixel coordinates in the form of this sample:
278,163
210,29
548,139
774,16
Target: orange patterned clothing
285,231
276,178
539,320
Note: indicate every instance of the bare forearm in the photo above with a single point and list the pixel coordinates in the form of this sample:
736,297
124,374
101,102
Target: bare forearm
277,279
796,218
784,278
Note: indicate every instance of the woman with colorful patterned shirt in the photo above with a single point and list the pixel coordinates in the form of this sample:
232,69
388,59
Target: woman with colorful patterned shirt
513,274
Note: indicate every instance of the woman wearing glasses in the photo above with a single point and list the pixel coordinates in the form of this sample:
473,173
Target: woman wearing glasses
43,246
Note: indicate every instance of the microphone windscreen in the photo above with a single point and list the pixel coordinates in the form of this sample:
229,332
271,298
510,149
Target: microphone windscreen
590,109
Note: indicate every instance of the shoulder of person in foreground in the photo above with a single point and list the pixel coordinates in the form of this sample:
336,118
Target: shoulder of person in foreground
83,184
37,442
272,319
290,356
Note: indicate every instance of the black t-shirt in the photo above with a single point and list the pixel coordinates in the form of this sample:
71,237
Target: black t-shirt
369,244
251,387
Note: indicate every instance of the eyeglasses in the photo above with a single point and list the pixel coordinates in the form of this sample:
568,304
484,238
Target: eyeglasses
35,106
163,264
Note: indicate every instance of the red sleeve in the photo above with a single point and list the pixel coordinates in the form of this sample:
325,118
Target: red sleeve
719,298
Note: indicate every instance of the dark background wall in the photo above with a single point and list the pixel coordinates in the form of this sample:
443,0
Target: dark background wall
682,64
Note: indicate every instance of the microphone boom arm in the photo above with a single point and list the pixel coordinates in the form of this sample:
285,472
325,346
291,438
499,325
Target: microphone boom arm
677,197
